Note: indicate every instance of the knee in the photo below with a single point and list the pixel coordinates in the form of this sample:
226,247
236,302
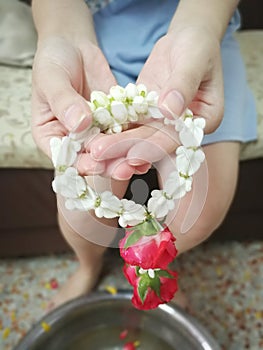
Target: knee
199,223
199,230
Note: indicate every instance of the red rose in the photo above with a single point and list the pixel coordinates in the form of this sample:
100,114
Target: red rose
155,250
149,292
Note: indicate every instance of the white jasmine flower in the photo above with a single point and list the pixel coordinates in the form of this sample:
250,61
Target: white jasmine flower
150,272
114,129
70,184
191,133
152,98
176,186
107,205
91,106
131,91
188,160
132,115
154,112
178,123
99,99
142,271
119,111
131,213
64,151
82,204
140,105
160,204
103,117
85,202
187,114
118,93
142,89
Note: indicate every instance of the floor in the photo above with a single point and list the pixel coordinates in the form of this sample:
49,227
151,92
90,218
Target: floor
224,283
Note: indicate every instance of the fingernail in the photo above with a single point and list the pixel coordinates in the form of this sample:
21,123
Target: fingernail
75,117
136,161
95,168
174,103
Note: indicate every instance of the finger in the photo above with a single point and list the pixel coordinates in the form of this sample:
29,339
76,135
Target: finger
88,166
117,145
42,133
209,101
198,89
155,147
53,85
97,70
142,169
119,169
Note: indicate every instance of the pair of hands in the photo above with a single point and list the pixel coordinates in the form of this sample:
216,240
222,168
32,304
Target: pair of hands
184,67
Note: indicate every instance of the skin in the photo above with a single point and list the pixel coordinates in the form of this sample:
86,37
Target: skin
188,73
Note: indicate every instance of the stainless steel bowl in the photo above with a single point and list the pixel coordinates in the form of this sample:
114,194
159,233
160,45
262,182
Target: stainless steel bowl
96,321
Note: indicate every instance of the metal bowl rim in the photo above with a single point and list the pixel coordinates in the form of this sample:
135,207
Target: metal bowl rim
189,323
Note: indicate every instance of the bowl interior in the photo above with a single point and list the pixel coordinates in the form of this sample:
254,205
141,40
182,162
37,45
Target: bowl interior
97,322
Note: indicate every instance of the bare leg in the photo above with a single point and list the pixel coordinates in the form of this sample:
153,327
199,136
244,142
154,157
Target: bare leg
89,238
222,166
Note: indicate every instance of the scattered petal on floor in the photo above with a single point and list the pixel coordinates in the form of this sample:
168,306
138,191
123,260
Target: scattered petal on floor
224,283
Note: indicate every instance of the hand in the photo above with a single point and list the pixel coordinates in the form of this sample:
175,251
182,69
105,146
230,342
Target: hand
133,151
187,73
64,74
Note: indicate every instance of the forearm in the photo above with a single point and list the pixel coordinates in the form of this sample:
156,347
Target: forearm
212,15
65,18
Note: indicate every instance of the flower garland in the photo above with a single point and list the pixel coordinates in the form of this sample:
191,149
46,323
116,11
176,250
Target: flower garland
148,246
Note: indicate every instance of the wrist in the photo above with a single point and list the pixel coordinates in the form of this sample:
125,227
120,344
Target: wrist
212,16
63,18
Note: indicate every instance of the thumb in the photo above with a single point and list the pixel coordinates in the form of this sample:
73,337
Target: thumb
180,88
199,88
56,91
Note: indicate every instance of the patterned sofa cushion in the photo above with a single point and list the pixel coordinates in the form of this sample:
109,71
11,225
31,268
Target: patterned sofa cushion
251,45
17,148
